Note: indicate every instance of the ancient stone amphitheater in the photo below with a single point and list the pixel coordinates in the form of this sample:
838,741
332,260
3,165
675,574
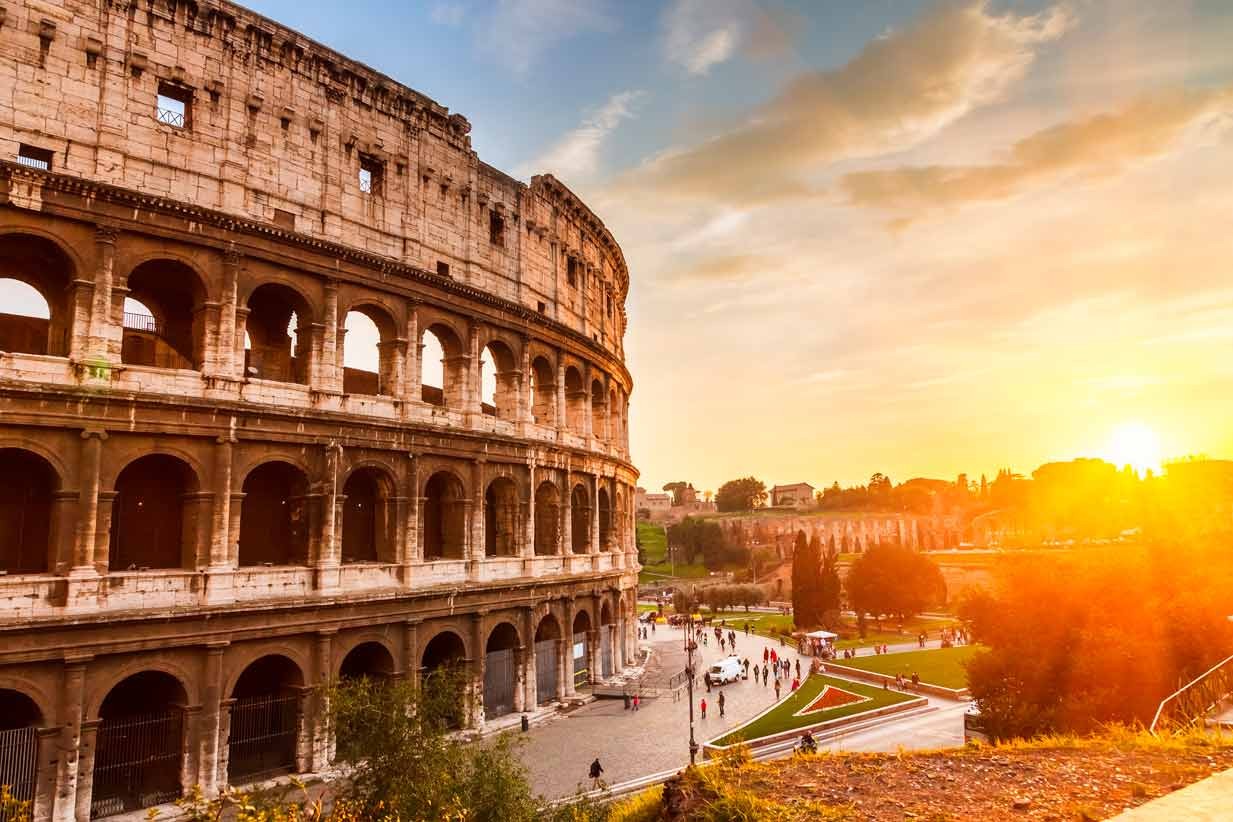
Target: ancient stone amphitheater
212,502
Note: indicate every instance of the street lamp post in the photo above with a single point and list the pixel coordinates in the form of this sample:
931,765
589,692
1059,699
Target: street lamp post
690,645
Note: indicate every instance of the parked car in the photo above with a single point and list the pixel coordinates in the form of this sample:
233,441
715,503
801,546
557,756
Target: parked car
726,670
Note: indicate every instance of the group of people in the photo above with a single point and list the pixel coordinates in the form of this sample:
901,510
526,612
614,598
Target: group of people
645,631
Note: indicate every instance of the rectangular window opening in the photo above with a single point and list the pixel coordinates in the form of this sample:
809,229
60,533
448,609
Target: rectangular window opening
496,229
34,157
284,219
370,175
443,268
571,272
174,106
542,307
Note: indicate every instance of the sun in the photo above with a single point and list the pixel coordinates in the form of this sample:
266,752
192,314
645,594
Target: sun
1134,444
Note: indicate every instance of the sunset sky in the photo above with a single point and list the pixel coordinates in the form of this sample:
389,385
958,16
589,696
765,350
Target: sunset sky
911,237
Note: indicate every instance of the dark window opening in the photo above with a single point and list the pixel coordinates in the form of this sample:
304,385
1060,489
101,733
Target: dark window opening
542,308
34,157
571,272
284,219
608,304
174,107
496,229
371,172
443,268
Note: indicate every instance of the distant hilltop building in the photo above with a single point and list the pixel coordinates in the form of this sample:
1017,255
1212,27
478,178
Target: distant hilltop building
682,502
797,495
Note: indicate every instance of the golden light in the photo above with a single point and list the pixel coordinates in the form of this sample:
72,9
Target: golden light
1134,444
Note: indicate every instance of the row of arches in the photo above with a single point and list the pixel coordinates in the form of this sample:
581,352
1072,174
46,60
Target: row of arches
167,322
158,519
144,733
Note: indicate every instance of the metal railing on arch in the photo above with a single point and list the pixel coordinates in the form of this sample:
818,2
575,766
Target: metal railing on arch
18,764
137,762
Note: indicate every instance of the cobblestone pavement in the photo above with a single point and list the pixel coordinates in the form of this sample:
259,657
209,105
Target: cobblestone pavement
656,738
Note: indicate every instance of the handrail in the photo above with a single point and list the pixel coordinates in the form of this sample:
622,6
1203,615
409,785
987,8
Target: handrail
1206,705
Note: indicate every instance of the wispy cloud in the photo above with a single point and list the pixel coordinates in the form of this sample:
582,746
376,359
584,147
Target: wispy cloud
900,89
446,13
519,31
1096,146
576,156
701,34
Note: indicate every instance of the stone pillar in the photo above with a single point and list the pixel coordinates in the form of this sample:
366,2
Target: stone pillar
473,396
79,296
321,743
87,503
239,357
225,343
411,651
593,546
87,741
526,397
478,662
102,531
414,355
326,563
100,311
530,698
475,521
567,666
588,409
567,516
46,761
562,417
221,562
411,546
328,375
392,369
210,739
528,545
71,765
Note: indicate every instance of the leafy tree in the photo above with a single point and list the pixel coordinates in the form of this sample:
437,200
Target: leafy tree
743,494
683,602
677,489
894,580
704,538
806,582
830,589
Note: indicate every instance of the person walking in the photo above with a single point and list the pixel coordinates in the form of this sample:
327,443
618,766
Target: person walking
597,770
766,654
756,670
706,679
703,707
637,702
915,681
798,669
776,689
721,704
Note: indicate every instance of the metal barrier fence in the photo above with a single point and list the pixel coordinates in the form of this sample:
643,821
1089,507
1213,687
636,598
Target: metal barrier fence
18,764
579,653
137,762
546,682
264,733
606,665
499,676
1193,701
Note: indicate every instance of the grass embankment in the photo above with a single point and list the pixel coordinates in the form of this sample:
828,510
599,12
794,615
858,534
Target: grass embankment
654,542
783,716
938,666
1050,778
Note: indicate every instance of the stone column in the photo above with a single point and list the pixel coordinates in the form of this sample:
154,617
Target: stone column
221,562
475,521
328,375
473,396
562,421
530,699
528,546
87,741
87,502
100,311
102,531
567,517
321,743
593,672
239,358
209,775
71,732
587,406
526,397
225,343
593,546
79,297
326,563
411,651
478,663
411,549
567,651
392,368
46,761
414,355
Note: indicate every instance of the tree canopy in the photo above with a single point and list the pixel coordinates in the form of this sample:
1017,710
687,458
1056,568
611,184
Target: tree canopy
696,538
893,580
743,494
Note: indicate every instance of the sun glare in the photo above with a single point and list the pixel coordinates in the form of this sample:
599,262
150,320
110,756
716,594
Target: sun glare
1134,444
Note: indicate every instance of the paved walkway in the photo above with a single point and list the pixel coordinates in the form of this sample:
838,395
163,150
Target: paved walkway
1210,800
656,738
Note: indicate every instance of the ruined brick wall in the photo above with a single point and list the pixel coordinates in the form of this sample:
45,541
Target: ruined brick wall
277,128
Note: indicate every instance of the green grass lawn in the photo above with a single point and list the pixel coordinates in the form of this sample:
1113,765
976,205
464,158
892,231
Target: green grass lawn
782,717
654,542
940,666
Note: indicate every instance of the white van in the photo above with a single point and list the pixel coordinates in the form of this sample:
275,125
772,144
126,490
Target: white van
726,670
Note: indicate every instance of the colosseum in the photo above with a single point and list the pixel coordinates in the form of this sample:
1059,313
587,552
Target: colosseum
308,391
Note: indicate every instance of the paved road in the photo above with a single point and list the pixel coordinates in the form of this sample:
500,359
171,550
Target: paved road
656,739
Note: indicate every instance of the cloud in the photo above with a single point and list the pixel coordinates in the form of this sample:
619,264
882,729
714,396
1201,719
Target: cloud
576,155
727,268
447,14
519,31
701,34
901,88
1097,146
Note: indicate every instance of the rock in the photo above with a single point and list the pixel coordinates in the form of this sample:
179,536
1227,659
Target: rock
1021,803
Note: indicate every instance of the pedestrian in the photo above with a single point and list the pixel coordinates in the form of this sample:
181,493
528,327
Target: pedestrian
627,702
721,704
755,673
706,679
766,654
766,672
704,707
798,669
796,683
637,702
704,639
746,666
652,627
746,629
774,657
597,770
776,689
915,681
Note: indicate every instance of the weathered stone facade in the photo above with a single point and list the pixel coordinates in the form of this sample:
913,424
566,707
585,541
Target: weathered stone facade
205,514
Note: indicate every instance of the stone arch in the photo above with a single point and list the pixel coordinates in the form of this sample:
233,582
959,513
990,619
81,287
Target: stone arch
543,389
279,338
599,410
548,627
441,336
575,400
445,517
367,659
369,528
503,400
501,518
139,745
28,485
265,724
40,262
580,519
444,654
172,334
155,517
547,519
604,504
501,657
42,697
605,612
274,516
370,349
446,647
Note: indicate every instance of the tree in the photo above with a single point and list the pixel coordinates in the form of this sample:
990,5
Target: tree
703,538
830,589
806,582
677,489
683,602
894,580
743,494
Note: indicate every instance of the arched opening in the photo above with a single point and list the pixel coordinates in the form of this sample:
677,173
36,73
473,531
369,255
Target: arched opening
599,411
164,326
370,352
500,670
265,721
499,381
28,485
442,662
368,659
580,519
543,392
445,517
443,373
605,520
274,516
35,278
501,518
275,347
139,747
547,519
366,518
616,419
153,522
581,649
20,719
547,645
575,400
